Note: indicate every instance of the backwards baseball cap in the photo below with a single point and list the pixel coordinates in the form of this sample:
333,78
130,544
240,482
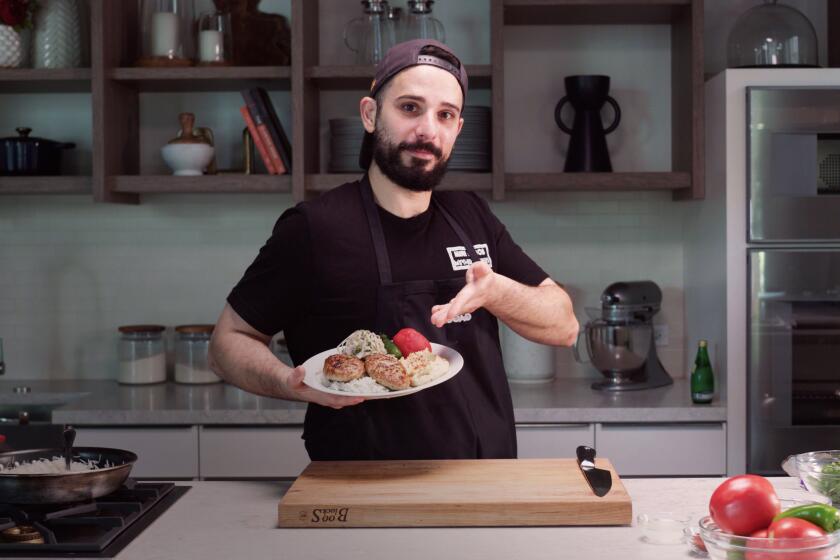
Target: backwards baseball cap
405,55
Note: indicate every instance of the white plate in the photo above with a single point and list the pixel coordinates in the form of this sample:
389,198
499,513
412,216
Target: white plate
314,377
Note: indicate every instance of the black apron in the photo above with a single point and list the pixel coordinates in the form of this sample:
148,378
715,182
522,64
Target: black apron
469,416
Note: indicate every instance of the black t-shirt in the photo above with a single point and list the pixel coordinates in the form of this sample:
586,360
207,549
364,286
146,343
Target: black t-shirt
276,289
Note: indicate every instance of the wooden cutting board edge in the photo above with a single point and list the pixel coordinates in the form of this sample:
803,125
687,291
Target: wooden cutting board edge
296,511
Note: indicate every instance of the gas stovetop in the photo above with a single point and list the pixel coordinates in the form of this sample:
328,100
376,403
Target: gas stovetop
99,528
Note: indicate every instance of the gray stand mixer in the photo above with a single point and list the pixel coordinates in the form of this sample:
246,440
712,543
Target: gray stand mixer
619,338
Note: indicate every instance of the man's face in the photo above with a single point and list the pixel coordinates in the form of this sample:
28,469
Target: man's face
417,123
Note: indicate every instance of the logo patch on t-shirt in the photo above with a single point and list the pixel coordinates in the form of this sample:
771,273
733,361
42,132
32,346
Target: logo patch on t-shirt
461,260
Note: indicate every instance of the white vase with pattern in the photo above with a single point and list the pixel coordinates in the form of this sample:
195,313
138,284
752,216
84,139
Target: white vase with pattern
11,47
57,41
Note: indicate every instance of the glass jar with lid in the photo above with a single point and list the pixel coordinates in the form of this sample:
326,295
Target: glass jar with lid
166,28
142,354
191,345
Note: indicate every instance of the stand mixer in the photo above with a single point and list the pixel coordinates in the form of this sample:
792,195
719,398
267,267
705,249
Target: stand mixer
619,339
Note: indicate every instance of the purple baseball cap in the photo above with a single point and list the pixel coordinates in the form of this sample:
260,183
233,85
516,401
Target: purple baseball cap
405,55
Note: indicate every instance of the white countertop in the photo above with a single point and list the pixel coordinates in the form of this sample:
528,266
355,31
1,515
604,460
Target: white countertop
561,401
228,520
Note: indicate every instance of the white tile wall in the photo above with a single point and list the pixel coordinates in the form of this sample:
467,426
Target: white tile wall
588,240
72,270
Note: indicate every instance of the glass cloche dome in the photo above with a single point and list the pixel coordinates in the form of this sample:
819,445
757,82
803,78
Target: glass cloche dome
772,34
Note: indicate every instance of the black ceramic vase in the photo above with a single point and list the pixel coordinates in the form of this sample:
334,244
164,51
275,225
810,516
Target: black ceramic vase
588,142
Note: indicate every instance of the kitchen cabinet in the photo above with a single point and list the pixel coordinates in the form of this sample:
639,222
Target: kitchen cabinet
251,452
165,452
663,449
548,441
274,451
116,86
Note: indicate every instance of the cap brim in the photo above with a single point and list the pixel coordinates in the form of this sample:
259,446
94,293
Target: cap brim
366,153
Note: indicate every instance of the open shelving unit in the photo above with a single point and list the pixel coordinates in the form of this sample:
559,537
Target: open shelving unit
115,87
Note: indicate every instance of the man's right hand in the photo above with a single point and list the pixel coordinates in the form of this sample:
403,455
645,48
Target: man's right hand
299,390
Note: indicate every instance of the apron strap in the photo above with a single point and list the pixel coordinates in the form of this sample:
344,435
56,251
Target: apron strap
383,262
462,235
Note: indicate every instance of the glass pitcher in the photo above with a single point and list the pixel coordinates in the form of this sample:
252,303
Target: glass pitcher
420,24
371,35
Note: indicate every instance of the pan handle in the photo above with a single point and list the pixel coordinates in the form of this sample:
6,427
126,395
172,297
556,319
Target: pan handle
69,438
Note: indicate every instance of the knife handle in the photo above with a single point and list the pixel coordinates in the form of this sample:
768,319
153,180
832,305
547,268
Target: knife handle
585,453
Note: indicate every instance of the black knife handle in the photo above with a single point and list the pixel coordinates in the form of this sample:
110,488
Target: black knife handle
585,453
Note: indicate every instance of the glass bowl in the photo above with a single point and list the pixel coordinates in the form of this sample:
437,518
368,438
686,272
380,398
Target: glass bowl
724,546
819,471
663,527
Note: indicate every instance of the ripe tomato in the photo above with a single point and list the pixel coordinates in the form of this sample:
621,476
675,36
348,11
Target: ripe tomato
744,504
794,528
779,534
408,340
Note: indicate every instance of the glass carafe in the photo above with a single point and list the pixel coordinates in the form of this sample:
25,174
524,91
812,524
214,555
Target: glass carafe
420,24
371,35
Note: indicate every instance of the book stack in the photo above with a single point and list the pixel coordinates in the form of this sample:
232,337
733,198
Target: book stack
269,137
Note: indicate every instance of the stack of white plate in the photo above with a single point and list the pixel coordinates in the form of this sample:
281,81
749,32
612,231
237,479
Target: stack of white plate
472,150
345,143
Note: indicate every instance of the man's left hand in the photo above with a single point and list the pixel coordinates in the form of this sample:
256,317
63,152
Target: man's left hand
476,294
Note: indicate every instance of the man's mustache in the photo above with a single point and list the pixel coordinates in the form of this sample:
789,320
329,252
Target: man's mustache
426,146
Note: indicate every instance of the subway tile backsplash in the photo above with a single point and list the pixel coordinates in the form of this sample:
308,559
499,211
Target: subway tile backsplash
73,271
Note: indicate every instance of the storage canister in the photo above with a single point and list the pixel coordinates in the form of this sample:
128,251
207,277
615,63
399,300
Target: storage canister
142,354
191,344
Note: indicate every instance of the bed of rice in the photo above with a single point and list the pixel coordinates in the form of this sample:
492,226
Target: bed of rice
55,465
362,385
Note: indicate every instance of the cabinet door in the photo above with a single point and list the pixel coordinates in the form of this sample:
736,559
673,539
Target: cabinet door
170,452
548,441
252,451
663,449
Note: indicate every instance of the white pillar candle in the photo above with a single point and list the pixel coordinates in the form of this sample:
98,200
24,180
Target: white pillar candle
210,46
165,34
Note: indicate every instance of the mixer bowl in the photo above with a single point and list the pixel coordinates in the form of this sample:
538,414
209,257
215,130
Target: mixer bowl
618,351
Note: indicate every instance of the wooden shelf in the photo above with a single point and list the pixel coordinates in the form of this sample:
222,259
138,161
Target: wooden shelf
597,181
359,77
593,12
44,80
207,184
116,91
453,181
204,78
46,184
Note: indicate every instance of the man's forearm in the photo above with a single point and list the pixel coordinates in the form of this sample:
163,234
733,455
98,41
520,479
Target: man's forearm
248,363
540,313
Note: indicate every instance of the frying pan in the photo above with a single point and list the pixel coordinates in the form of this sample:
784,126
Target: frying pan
68,486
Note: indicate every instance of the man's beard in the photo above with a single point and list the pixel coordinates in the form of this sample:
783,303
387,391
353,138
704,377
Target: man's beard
413,176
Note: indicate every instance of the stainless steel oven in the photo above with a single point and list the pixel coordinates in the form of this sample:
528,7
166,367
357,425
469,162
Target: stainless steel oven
793,251
793,145
794,354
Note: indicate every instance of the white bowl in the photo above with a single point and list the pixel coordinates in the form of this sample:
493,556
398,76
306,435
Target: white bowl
187,159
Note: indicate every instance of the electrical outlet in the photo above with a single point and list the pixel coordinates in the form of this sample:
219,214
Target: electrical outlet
660,335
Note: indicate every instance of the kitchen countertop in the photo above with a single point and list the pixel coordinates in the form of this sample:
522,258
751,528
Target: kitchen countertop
238,520
562,401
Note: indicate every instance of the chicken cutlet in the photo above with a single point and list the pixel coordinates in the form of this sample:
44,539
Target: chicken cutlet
341,367
388,371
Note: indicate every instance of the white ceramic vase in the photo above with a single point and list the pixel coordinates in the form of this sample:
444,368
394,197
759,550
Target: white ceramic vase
526,361
57,41
11,47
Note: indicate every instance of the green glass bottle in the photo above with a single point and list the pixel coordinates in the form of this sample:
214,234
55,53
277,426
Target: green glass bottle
702,377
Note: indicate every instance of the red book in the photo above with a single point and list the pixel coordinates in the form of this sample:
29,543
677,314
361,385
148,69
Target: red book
258,141
261,121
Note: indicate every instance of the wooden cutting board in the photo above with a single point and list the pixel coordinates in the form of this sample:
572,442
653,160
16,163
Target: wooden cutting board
486,492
